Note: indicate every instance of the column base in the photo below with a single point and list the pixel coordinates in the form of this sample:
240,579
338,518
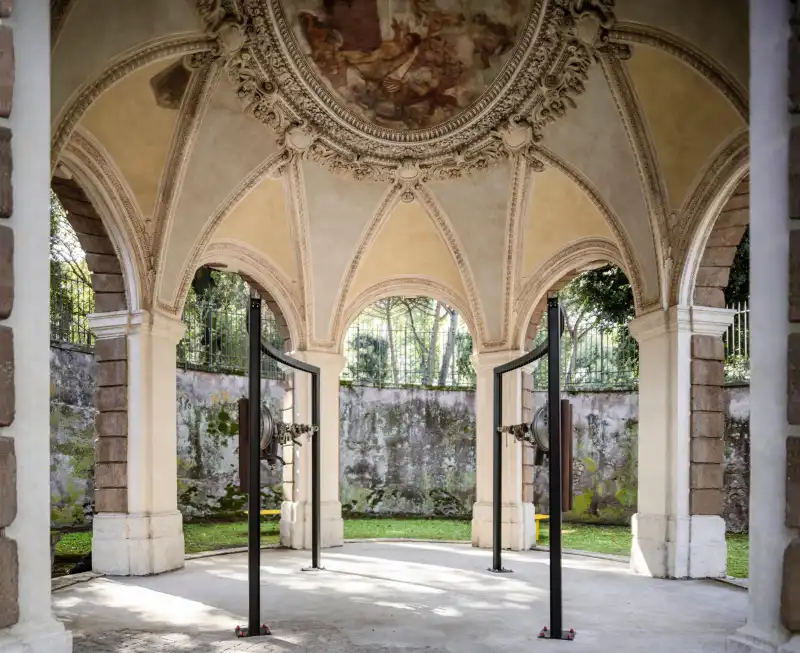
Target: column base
137,545
48,637
749,639
687,547
518,526
296,524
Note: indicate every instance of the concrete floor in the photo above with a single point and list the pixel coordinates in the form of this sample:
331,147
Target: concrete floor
404,597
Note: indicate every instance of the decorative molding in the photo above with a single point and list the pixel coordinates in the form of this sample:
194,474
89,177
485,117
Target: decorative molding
437,213
59,10
547,70
712,70
629,261
271,168
298,209
701,210
644,153
515,224
577,253
257,266
193,108
119,68
388,202
99,178
405,285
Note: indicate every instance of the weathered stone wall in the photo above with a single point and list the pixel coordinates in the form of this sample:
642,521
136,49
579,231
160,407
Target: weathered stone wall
207,437
410,451
402,450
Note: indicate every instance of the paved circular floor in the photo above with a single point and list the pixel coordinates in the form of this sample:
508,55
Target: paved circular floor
404,597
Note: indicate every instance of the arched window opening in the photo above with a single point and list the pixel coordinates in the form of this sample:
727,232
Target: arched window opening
409,342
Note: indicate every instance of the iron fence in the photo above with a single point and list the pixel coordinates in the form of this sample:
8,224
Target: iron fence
71,301
216,339
382,357
737,345
602,358
599,358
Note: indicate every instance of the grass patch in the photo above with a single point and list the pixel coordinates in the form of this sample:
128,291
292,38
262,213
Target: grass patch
423,529
212,536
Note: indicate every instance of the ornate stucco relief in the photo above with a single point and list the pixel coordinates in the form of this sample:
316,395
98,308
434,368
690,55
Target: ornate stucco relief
544,75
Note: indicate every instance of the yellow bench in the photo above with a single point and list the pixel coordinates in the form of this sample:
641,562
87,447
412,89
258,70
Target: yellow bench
539,518
274,511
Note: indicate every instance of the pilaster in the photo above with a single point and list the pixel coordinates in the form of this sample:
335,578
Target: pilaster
296,512
519,526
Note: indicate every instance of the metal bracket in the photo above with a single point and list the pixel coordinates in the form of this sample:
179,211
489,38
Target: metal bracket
566,635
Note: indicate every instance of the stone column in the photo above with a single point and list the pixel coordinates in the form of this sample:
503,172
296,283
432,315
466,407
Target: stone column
26,620
519,526
774,198
138,529
296,513
677,530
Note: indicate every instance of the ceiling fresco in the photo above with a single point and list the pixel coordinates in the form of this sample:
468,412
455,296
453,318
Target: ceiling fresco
407,64
429,89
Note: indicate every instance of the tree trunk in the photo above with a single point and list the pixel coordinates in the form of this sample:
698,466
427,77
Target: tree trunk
447,358
432,357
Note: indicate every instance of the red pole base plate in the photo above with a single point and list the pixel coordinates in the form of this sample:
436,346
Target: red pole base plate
566,635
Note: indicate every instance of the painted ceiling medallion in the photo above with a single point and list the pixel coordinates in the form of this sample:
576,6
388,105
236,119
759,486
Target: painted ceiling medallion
370,87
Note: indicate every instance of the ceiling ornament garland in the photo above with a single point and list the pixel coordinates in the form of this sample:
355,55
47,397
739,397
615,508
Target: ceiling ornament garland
276,84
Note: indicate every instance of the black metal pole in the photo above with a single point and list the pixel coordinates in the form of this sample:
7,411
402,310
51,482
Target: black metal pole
497,477
554,424
316,478
254,489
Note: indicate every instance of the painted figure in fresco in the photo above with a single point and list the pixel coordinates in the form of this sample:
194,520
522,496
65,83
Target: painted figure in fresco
425,72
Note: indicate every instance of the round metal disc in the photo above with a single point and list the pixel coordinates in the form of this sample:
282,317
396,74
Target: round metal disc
267,428
540,428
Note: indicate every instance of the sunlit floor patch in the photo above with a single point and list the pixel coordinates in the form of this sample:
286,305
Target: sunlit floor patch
399,597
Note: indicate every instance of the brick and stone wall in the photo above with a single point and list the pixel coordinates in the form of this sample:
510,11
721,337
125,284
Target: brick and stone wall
9,567
708,426
790,594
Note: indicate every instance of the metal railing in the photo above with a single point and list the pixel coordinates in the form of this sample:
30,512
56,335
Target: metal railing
737,345
381,357
71,301
604,358
216,339
601,358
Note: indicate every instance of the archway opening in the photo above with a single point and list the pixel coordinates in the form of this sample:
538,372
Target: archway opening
407,429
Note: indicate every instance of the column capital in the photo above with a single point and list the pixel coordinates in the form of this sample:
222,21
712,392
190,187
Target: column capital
118,324
159,325
328,362
486,361
107,326
695,320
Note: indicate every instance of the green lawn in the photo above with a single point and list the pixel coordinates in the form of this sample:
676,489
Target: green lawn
221,535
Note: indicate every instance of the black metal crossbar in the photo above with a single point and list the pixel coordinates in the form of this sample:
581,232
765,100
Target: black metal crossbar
551,347
258,348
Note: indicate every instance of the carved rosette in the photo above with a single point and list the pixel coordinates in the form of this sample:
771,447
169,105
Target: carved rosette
546,72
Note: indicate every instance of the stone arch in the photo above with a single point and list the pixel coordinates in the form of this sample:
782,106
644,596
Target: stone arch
263,276
108,281
409,286
719,204
554,274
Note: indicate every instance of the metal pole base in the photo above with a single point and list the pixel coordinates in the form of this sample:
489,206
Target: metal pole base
313,569
502,570
245,632
567,635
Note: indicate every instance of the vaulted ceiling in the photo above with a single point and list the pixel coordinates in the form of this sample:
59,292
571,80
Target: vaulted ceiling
475,154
